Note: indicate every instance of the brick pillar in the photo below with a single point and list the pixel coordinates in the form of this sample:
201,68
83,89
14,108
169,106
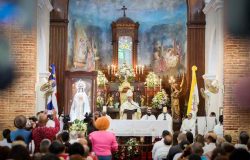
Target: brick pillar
236,67
20,97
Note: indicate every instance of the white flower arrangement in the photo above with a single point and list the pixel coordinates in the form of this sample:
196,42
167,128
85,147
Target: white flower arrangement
160,99
99,101
79,126
125,72
101,79
152,80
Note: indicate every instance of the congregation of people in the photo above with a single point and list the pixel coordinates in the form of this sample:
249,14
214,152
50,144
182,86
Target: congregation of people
42,137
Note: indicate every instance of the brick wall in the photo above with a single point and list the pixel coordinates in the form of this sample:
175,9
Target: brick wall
236,67
19,98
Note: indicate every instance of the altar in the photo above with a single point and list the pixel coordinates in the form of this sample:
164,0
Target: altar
156,81
124,128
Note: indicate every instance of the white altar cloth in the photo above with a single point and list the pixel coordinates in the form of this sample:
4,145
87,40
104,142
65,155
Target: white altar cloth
139,127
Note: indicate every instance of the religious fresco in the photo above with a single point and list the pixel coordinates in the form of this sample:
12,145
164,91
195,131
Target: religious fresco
162,33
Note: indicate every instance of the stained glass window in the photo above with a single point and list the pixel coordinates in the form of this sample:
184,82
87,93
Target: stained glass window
125,50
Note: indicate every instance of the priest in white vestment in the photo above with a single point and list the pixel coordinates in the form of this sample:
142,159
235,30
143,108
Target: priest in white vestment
130,106
149,115
80,105
188,124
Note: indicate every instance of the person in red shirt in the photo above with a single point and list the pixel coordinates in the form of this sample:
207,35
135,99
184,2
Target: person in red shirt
43,132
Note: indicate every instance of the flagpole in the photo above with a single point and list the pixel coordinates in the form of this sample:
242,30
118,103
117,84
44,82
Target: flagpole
193,90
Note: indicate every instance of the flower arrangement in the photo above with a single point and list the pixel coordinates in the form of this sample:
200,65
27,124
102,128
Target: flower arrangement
99,101
79,126
160,99
152,80
132,147
101,79
128,151
125,72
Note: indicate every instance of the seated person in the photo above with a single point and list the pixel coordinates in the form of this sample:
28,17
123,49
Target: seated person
164,115
149,115
130,109
188,124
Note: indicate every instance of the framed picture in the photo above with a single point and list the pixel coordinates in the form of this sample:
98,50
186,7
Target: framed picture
80,90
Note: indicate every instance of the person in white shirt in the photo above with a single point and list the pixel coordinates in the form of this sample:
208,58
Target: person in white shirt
210,143
161,148
218,129
188,124
6,138
149,115
243,140
165,116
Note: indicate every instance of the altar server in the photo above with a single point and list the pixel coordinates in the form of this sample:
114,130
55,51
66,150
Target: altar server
149,115
165,116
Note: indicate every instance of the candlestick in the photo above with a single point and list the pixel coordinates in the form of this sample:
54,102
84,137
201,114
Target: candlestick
108,69
142,69
160,84
112,69
104,109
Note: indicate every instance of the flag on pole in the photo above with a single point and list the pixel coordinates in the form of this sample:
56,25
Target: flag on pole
52,99
194,94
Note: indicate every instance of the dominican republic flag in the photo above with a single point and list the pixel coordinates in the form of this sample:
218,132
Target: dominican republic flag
194,95
52,100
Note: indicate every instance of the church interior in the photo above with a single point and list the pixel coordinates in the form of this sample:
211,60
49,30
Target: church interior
125,79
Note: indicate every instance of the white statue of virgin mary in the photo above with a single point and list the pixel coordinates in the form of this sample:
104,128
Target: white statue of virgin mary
80,104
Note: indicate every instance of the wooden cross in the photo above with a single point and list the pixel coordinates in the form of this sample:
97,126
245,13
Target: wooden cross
124,9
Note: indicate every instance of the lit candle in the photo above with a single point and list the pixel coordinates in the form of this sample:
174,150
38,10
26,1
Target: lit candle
114,68
108,69
142,69
160,84
165,110
104,109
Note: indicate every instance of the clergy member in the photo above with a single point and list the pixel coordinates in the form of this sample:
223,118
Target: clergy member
130,109
165,116
188,124
149,115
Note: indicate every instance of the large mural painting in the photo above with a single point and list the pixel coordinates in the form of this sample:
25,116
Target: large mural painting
162,33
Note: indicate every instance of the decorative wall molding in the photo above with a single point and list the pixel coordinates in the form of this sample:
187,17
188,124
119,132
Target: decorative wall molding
213,5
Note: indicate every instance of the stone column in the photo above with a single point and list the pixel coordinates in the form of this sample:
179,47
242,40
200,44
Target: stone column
214,51
44,8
